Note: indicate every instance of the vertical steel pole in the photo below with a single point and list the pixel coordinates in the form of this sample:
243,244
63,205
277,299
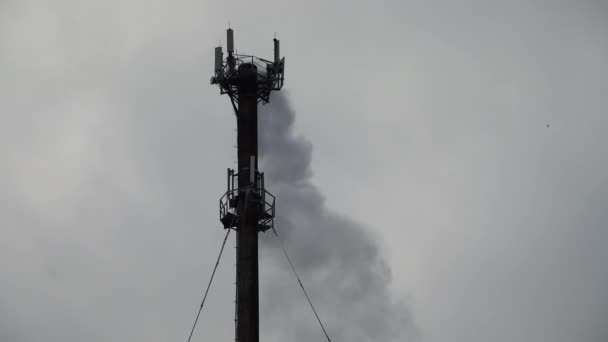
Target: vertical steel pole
247,232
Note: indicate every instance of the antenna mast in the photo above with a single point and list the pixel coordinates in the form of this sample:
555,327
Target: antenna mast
246,206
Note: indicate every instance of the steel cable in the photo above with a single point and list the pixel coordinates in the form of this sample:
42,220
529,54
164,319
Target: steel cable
301,285
209,285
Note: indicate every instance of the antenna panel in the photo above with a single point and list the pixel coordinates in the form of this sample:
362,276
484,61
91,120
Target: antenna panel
219,57
230,38
277,53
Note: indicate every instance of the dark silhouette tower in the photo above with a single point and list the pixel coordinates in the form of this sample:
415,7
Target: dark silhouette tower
246,206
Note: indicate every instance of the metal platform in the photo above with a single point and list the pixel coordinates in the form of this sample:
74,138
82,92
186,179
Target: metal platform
255,196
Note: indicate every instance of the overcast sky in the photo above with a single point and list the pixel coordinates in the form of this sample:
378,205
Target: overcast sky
441,169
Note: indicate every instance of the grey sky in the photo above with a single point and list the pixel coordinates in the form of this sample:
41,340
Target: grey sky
427,121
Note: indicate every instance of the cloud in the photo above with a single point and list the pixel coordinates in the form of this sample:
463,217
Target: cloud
113,148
